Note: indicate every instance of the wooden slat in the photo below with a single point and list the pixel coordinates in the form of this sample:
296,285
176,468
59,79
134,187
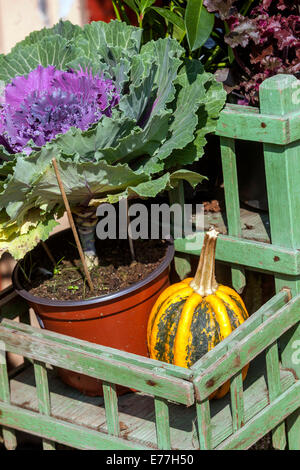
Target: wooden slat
247,349
279,130
275,389
264,421
42,390
204,425
282,165
237,401
98,366
242,252
62,431
110,353
9,436
254,225
111,408
232,201
137,413
162,422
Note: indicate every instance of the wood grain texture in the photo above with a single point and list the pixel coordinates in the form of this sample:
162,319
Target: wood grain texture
97,365
9,436
42,390
279,96
111,408
137,412
109,353
162,422
266,420
274,386
240,124
204,425
247,253
237,401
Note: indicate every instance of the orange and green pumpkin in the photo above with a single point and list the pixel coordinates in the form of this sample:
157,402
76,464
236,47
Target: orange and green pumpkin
192,316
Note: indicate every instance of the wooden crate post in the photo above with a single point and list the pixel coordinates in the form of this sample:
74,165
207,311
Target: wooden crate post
232,201
280,96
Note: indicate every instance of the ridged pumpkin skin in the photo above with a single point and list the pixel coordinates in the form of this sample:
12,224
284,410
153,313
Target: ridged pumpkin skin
183,325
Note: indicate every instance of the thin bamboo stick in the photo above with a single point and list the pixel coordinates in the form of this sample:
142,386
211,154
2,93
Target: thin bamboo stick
71,221
48,252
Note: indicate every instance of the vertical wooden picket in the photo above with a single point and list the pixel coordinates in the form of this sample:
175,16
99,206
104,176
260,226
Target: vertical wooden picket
237,401
111,408
232,202
204,424
279,96
43,395
162,421
9,436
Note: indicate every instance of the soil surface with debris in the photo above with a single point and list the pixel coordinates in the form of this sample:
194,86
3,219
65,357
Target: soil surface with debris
66,280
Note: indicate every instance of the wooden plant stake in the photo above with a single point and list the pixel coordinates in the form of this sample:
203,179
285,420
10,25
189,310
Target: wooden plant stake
71,221
48,253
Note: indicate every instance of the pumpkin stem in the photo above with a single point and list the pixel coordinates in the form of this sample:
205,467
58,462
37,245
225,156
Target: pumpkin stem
204,282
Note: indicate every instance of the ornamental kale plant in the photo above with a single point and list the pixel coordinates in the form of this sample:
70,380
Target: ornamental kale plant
121,119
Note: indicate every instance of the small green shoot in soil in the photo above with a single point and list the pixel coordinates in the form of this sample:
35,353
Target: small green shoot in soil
73,287
56,269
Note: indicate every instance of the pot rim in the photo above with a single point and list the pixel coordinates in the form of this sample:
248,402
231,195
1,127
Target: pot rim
96,300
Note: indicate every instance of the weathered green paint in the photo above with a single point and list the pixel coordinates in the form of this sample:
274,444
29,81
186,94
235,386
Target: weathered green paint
275,389
62,431
168,370
9,436
264,421
256,398
204,425
232,202
137,413
239,123
42,390
279,96
111,408
162,422
247,253
98,366
237,401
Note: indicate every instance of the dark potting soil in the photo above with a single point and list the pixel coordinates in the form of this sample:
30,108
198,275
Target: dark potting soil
66,280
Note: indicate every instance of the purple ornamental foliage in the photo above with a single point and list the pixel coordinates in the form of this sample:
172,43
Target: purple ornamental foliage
48,102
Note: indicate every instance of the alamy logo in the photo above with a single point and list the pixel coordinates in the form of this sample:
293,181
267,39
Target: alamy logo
296,354
149,222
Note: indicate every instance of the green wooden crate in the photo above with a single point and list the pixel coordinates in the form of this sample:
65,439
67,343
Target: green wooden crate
171,408
277,126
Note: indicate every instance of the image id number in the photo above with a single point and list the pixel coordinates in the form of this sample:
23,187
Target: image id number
158,459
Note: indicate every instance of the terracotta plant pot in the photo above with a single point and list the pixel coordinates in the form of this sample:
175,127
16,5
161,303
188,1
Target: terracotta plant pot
117,320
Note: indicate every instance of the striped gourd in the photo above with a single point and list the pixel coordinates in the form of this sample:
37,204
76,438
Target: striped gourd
194,315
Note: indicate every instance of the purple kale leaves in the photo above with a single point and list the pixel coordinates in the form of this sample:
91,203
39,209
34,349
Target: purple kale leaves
49,102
